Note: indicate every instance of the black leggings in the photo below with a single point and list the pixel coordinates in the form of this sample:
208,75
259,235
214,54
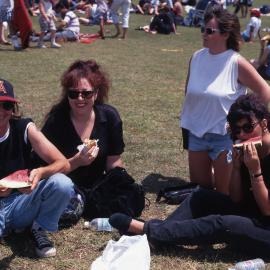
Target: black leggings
262,71
207,217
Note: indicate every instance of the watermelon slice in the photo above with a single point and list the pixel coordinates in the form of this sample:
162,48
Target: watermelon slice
256,140
18,179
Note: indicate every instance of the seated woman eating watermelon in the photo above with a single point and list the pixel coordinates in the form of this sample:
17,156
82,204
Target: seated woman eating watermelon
33,206
206,216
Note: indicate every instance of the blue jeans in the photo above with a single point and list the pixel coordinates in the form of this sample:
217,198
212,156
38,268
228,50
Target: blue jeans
44,205
208,217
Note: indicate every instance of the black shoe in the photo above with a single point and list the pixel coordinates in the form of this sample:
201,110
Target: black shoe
44,247
120,222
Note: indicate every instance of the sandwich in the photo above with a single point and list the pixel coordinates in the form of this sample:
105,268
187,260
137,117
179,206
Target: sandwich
87,145
90,143
257,141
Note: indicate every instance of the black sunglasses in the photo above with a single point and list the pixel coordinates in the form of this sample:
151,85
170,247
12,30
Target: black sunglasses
74,94
8,106
247,128
209,30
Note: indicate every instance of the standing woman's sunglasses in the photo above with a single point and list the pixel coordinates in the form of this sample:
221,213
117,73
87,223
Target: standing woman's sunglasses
7,105
209,30
86,94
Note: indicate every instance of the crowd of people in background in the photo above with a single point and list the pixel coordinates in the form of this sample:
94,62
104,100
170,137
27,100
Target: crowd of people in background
60,20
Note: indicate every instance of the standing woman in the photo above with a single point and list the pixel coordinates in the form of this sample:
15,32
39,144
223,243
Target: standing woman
115,6
217,76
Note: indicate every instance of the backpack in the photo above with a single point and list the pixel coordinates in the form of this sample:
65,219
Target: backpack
117,191
176,195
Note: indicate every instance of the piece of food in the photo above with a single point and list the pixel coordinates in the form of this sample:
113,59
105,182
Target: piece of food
257,141
18,179
90,143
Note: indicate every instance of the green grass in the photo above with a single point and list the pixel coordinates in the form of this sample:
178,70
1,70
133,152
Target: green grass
148,76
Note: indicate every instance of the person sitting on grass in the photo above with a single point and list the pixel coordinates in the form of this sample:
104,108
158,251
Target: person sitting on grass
97,15
207,216
163,23
40,205
82,114
69,28
253,27
262,64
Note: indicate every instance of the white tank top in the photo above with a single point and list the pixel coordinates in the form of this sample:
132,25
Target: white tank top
212,88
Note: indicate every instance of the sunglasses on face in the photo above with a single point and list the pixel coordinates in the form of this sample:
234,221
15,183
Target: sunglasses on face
8,106
209,30
247,128
86,94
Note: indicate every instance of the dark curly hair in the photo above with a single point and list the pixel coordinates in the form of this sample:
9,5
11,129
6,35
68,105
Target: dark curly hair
247,107
227,23
80,69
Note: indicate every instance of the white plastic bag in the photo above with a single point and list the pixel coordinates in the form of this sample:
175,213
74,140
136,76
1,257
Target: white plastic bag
129,252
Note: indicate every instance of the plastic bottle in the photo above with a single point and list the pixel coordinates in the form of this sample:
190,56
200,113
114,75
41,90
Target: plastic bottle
98,224
256,264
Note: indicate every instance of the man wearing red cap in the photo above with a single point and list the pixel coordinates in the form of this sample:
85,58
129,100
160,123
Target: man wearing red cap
40,202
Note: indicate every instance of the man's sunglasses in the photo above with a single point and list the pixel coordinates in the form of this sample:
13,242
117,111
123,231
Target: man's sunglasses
8,106
247,128
74,94
209,30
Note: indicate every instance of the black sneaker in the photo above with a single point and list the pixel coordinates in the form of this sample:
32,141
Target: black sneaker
44,247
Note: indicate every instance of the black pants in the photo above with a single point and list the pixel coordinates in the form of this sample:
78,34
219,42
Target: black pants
207,217
262,71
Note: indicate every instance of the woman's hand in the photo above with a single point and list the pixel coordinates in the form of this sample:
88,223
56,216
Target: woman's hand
4,192
237,158
85,158
251,158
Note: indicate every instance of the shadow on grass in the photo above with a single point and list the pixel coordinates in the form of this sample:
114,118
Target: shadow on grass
211,253
154,182
21,245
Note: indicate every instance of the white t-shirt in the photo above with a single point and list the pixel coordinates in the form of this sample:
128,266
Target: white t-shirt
72,21
48,8
212,88
4,4
256,23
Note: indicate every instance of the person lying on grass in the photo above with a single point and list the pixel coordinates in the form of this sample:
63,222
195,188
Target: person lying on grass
40,204
207,216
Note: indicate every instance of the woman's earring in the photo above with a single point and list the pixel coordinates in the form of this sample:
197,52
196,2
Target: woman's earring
265,130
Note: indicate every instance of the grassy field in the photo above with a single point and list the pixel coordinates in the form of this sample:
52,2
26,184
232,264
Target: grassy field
148,76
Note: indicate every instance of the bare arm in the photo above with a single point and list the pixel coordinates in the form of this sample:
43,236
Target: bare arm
49,153
248,76
236,192
264,52
260,191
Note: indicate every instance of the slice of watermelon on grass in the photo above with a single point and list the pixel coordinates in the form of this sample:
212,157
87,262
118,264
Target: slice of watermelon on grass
18,179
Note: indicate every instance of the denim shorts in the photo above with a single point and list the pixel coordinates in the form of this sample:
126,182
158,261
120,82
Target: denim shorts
212,143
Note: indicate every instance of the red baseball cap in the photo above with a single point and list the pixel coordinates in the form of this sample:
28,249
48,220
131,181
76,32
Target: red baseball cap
6,91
